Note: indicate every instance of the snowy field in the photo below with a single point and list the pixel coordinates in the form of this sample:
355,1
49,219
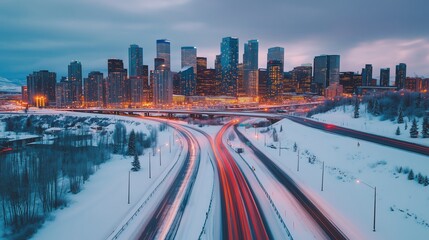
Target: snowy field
401,204
102,205
343,116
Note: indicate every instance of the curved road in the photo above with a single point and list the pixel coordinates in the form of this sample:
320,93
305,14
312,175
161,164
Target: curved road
166,218
330,229
241,216
412,147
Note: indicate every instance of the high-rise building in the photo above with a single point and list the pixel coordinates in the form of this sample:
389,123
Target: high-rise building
189,58
206,82
201,63
274,80
250,61
146,86
326,72
117,86
93,89
302,77
162,86
75,77
276,54
229,63
41,88
385,77
63,92
188,85
350,82
401,75
135,60
115,65
241,92
367,75
218,74
163,51
262,84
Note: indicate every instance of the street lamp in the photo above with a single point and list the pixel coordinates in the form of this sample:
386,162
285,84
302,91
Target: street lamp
159,150
375,200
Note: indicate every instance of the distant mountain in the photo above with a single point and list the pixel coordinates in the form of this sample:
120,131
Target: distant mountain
7,85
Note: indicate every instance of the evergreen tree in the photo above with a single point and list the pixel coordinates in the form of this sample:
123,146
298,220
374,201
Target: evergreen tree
411,175
132,144
426,181
406,125
398,132
414,129
356,112
400,116
136,163
425,128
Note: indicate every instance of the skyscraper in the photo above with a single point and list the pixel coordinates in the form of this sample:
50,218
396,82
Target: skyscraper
400,76
277,54
274,80
135,60
326,72
367,75
189,58
162,86
115,65
163,51
218,74
302,77
385,77
75,77
262,84
41,88
93,89
250,61
188,85
229,63
117,87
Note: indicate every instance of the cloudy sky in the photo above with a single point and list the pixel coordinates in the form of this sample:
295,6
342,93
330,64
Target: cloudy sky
48,34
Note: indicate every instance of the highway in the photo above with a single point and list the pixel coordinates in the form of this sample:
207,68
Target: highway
411,147
165,220
240,214
330,229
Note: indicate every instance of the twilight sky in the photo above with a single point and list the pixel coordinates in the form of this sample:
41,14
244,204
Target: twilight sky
48,34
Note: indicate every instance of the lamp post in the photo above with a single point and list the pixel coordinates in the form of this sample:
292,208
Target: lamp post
159,150
375,201
129,176
280,148
323,173
150,173
297,163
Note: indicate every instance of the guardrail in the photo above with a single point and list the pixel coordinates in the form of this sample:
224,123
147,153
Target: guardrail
211,201
122,228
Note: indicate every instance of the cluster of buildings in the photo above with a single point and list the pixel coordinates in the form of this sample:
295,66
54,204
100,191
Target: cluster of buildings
140,86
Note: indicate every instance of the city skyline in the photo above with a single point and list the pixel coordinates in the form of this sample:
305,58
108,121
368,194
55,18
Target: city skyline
36,40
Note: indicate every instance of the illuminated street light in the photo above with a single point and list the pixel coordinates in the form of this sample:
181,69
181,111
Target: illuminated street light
375,200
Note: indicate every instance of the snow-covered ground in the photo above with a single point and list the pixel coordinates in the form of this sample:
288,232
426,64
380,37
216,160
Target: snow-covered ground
401,204
102,205
343,116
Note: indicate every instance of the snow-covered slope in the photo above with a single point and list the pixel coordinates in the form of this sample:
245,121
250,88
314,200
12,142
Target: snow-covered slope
343,116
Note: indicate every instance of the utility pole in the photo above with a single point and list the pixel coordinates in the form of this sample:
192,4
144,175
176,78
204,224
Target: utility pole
129,176
149,168
297,165
323,173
